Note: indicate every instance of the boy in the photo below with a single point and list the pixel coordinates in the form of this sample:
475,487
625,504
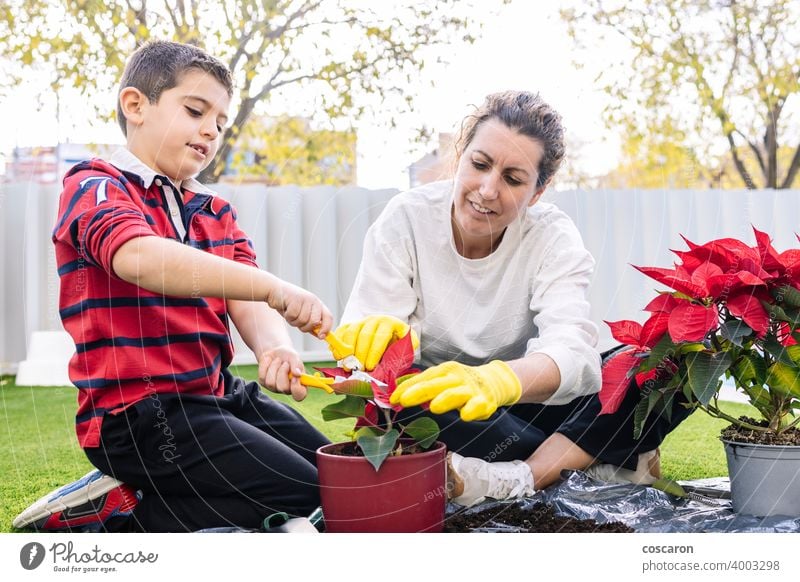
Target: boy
153,267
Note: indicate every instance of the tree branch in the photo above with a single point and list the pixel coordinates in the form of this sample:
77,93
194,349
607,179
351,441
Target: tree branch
171,12
140,16
754,147
263,27
793,167
745,175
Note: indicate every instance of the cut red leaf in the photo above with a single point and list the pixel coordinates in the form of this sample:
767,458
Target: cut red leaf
370,417
334,372
396,360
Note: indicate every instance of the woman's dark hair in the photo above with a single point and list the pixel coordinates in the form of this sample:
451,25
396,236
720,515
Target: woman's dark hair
528,114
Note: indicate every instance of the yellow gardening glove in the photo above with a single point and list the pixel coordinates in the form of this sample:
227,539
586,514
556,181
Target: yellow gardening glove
371,336
477,391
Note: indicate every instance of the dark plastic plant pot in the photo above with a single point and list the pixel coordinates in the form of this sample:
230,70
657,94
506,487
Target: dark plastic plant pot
408,494
765,479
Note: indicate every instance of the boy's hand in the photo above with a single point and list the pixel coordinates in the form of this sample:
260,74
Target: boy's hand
301,309
274,367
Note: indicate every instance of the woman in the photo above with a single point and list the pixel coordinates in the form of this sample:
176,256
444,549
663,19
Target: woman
494,282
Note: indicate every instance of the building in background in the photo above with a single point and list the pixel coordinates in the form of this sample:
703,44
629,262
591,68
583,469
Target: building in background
272,151
48,164
435,165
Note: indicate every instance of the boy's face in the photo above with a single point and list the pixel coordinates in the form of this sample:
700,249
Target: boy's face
180,134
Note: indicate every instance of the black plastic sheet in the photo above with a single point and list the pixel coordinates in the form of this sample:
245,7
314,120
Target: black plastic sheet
645,509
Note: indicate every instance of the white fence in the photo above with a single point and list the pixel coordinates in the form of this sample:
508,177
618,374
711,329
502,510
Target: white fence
313,237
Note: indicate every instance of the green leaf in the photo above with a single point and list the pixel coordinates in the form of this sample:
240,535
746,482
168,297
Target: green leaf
670,487
377,448
664,348
367,431
774,348
734,331
788,295
354,388
704,371
639,416
784,379
424,430
688,348
794,353
775,312
750,369
348,407
642,411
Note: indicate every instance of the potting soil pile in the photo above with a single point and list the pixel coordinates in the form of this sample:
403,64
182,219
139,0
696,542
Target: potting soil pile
585,505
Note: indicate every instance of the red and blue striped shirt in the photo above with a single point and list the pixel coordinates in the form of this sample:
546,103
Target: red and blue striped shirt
132,343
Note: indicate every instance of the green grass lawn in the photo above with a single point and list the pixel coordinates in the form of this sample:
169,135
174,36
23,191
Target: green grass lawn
39,451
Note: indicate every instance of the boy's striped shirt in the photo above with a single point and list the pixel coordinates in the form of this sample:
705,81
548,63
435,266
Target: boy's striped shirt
131,343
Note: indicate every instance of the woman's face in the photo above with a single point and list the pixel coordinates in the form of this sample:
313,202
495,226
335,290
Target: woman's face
495,182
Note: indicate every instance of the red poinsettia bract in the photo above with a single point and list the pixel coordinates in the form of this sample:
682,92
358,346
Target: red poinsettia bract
395,363
713,283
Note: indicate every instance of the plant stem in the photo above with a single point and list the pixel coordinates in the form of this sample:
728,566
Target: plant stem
792,424
387,414
716,412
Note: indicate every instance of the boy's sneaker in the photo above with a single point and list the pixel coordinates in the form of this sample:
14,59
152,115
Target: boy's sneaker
83,506
648,470
471,480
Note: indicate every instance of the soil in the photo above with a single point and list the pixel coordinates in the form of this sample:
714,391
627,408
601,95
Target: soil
538,519
351,449
790,437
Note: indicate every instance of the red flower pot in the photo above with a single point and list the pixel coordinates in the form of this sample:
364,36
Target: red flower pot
408,493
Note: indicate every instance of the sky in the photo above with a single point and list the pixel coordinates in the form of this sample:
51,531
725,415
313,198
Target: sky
521,48
524,45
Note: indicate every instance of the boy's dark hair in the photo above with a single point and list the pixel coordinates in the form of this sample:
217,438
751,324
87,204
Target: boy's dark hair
528,114
158,65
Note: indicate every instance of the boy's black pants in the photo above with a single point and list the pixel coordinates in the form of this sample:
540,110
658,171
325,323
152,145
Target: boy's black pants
203,461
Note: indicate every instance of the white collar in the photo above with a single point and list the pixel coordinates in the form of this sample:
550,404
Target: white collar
126,161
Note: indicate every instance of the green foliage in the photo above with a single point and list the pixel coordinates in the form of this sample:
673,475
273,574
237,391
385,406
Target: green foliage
703,373
39,451
287,151
703,78
423,430
377,447
340,51
347,407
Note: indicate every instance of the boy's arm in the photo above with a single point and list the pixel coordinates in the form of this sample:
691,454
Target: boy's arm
170,268
265,333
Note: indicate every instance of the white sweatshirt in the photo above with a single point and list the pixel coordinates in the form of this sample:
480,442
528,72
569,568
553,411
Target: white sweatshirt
528,296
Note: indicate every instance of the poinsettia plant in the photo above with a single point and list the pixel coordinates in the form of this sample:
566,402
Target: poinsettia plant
732,311
366,398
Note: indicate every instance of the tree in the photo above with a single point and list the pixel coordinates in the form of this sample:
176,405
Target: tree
338,51
708,75
287,151
648,163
